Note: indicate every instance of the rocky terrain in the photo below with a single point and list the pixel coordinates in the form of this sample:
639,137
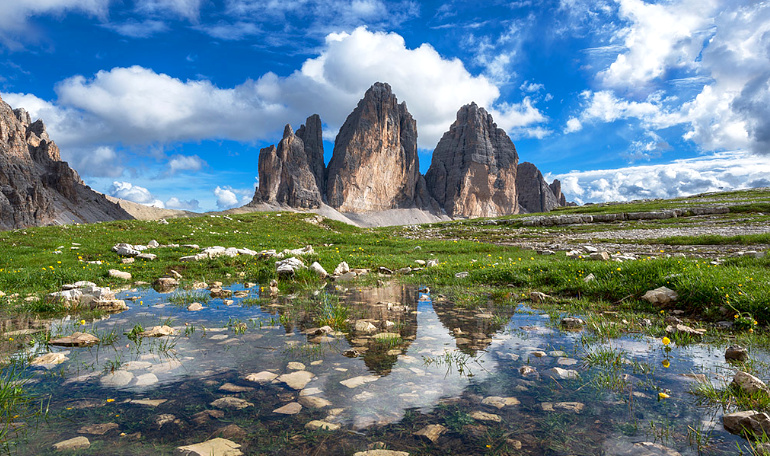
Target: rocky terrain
36,187
374,169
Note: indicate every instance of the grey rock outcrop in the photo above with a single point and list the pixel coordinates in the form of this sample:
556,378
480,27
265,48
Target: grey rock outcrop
556,189
473,170
374,165
293,172
36,187
534,193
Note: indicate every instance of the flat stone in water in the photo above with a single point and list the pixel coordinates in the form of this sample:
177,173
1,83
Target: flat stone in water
231,388
77,339
310,392
431,432
314,402
146,380
319,424
576,407
231,403
261,377
500,402
219,337
117,379
98,429
136,365
213,447
358,381
49,358
484,416
296,380
158,331
292,408
78,443
566,361
148,402
295,366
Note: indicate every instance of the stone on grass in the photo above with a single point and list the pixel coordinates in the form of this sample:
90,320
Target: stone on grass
77,339
319,270
213,447
599,256
230,402
661,295
296,380
748,383
684,329
292,408
431,432
736,353
341,268
78,443
319,424
118,274
461,275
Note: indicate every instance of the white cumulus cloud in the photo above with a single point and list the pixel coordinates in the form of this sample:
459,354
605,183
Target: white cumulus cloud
722,171
135,193
137,106
228,197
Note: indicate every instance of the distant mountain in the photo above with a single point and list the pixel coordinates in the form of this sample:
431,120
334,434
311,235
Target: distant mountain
474,171
36,187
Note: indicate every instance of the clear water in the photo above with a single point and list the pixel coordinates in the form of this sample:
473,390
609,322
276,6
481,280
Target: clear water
433,373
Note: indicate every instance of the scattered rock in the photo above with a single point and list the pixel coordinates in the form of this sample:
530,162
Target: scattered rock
576,407
165,284
319,424
232,388
572,323
537,296
358,381
500,402
661,295
232,431
158,331
318,269
683,329
119,274
599,256
98,429
561,374
736,353
296,380
78,443
287,267
484,416
747,423
213,447
748,383
49,358
314,402
194,307
229,402
117,379
364,326
77,339
431,432
292,408
461,275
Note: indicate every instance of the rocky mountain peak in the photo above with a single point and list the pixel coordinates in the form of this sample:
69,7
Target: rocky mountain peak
534,193
292,173
374,165
473,170
36,187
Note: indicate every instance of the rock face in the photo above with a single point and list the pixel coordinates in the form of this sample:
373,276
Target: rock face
375,166
36,187
473,170
556,189
535,195
293,172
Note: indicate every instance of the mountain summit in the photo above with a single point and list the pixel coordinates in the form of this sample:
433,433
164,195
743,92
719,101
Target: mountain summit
36,187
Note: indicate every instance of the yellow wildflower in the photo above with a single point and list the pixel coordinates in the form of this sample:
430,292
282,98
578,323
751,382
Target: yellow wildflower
663,396
110,400
666,341
666,363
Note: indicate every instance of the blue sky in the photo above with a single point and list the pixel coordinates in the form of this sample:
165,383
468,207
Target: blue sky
168,102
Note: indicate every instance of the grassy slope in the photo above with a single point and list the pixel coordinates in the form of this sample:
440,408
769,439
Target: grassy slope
28,264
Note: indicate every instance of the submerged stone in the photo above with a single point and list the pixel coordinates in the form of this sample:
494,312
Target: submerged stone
213,447
261,377
296,380
484,416
231,403
78,443
292,408
431,432
319,424
77,339
500,402
98,429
